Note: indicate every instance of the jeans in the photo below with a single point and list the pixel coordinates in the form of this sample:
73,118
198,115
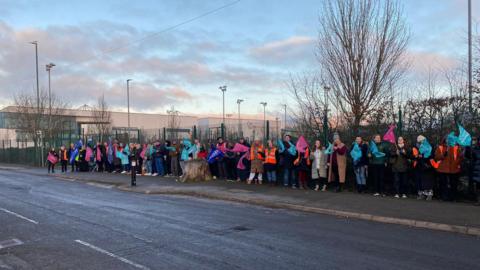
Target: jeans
448,186
148,166
360,175
288,177
64,165
159,166
272,176
400,181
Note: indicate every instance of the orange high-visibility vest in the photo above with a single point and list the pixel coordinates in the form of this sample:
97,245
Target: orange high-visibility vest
299,158
270,156
252,153
455,151
415,154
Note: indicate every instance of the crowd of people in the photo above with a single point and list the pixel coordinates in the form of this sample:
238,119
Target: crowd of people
319,167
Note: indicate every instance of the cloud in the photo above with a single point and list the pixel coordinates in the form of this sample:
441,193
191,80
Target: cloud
293,49
421,61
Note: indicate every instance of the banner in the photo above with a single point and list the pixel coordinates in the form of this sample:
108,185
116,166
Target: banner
52,158
464,138
301,145
390,135
374,150
356,152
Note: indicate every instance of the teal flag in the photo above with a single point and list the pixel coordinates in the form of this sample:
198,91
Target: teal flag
425,149
464,138
292,150
356,152
281,146
452,139
374,150
329,149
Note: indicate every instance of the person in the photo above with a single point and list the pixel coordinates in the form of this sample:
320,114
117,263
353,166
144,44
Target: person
202,153
71,152
257,156
148,159
270,165
360,163
448,156
399,159
286,163
378,163
230,163
52,159
158,160
173,156
474,156
242,174
302,163
423,169
100,156
319,166
82,163
220,161
64,157
338,163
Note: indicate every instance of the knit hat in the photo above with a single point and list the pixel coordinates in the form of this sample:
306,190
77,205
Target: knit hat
420,138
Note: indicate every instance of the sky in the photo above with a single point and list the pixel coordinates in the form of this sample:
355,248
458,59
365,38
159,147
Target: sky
251,46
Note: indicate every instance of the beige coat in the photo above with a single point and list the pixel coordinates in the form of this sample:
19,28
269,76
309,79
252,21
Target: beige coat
342,167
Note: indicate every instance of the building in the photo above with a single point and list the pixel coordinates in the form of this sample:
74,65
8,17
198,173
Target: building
82,123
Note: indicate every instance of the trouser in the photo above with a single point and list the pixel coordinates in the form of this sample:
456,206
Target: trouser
400,182
174,166
72,166
139,166
252,176
222,168
288,178
302,178
423,181
448,186
360,175
99,166
159,166
378,172
64,165
320,181
148,165
272,176
182,167
51,167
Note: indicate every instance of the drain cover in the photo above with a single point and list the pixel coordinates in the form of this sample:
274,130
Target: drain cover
10,243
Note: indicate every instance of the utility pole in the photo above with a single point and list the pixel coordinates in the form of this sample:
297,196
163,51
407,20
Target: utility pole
239,101
470,106
38,105
285,117
49,68
128,108
264,119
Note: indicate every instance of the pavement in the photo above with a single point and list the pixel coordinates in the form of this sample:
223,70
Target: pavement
461,218
50,223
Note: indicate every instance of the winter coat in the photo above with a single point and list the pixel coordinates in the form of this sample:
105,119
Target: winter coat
475,156
399,160
319,164
449,158
339,158
363,161
286,159
384,148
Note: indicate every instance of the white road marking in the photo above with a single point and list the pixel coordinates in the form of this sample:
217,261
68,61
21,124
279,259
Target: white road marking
112,255
10,243
100,185
18,215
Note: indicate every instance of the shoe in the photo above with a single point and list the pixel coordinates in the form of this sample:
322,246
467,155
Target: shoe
294,187
404,196
155,174
429,197
376,194
214,178
123,172
324,188
397,196
317,187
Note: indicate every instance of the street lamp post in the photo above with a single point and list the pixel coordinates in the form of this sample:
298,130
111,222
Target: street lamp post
470,106
264,119
285,117
128,108
223,89
36,69
239,101
49,68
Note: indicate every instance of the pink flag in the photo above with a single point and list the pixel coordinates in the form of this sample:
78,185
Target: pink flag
99,154
144,150
88,154
238,147
240,162
301,144
53,159
389,135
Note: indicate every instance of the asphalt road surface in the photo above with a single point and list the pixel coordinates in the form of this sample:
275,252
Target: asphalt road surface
56,224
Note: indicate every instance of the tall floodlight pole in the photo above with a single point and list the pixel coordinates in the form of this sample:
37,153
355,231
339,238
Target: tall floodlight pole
470,106
285,117
49,68
223,89
239,101
264,119
128,108
36,68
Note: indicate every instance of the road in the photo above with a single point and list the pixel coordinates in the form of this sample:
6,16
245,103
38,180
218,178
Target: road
56,224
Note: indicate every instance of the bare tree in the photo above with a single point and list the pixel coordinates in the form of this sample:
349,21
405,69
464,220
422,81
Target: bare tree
102,118
361,48
307,91
173,122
